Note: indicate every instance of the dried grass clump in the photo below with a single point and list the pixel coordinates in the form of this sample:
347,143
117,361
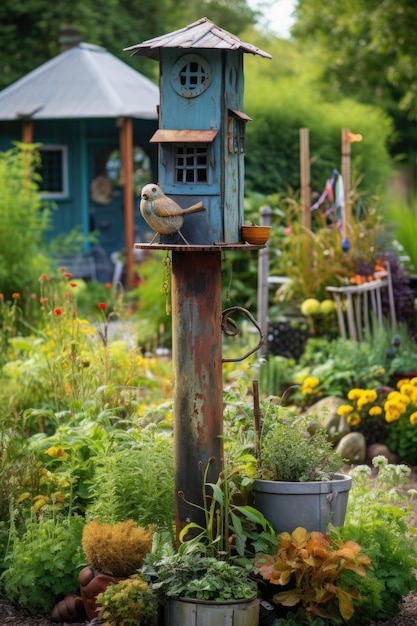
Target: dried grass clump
116,549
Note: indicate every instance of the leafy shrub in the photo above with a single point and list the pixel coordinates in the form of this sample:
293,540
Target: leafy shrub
43,563
129,602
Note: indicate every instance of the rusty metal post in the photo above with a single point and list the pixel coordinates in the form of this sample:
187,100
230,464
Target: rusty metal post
197,369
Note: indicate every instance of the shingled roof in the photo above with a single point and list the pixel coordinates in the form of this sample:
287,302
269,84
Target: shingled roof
83,82
200,34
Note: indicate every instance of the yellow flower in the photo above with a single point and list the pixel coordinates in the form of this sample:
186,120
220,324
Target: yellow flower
402,382
354,419
354,394
413,381
413,418
57,451
407,389
360,403
344,409
375,410
392,415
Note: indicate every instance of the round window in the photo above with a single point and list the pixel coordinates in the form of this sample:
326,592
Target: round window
190,75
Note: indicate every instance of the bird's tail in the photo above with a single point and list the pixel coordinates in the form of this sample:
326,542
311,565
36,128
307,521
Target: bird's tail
195,208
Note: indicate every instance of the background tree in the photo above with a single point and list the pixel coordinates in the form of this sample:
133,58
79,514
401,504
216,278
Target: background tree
366,49
29,31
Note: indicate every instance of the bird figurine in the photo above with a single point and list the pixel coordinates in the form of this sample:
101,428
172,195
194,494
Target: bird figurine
163,214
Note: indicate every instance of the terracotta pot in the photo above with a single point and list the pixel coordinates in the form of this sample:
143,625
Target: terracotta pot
256,235
92,583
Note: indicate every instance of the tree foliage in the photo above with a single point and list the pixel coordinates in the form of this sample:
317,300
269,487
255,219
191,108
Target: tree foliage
282,96
366,50
29,31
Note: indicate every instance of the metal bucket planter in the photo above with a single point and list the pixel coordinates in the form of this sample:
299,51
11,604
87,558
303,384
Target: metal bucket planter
312,505
185,612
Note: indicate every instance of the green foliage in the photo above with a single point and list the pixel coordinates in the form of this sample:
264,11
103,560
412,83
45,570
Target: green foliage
228,531
377,517
129,602
294,448
24,221
342,364
401,219
358,41
42,564
200,577
135,479
272,158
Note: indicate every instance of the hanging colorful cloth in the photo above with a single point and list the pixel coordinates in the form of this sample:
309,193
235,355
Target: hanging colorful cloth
334,193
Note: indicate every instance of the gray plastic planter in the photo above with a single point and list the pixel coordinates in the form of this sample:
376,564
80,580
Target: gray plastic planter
185,612
312,505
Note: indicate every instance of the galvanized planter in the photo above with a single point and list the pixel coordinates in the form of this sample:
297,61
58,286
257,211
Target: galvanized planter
312,505
189,612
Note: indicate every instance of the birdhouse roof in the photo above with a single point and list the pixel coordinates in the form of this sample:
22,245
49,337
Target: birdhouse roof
83,82
200,34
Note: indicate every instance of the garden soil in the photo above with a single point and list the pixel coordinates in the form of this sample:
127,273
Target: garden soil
12,616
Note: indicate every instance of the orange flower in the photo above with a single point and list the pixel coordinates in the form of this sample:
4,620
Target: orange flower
15,295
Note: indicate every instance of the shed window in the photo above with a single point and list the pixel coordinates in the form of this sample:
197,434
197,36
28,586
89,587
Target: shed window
191,164
53,171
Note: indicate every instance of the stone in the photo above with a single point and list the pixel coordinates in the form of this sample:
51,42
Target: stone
380,449
352,447
326,412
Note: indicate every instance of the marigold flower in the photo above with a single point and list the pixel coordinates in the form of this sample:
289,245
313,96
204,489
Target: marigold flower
311,381
370,395
392,415
58,311
354,394
375,410
413,418
15,295
354,419
413,381
102,305
344,409
407,389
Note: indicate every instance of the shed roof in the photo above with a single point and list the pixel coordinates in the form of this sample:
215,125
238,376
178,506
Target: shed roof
83,82
200,34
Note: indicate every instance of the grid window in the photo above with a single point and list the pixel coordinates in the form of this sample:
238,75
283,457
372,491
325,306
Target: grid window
53,171
191,164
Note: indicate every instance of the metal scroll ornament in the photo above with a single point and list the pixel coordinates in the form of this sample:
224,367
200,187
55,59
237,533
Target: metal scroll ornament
231,329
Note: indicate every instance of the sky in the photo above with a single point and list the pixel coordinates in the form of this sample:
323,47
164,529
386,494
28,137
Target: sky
277,18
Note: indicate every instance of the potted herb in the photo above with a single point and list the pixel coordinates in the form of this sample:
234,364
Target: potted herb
210,578
299,480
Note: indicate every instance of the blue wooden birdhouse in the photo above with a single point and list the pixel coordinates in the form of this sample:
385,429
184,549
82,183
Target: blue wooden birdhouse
201,134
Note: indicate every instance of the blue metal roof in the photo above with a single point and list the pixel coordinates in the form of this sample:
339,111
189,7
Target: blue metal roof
83,82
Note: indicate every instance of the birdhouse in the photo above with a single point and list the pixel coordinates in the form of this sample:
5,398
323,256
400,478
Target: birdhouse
201,134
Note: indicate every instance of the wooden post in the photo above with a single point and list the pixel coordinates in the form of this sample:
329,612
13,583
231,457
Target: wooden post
345,170
305,182
126,153
27,131
263,286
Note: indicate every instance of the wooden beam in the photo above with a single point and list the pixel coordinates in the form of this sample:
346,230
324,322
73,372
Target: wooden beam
305,182
126,151
27,131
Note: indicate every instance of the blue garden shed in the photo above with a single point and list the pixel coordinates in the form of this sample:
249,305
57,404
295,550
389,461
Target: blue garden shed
93,116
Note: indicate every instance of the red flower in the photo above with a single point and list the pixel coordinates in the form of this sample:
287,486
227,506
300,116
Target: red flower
43,300
15,295
67,294
73,285
44,277
108,285
1,296
58,311
67,275
102,305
